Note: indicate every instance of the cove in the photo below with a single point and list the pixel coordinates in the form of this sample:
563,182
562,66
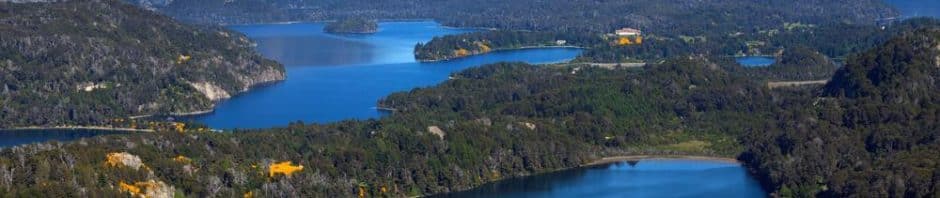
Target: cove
644,178
339,77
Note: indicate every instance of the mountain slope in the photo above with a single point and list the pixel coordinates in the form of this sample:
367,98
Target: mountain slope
82,62
874,130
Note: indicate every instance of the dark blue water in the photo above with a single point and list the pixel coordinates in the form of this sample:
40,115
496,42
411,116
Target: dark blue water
648,178
756,61
9,138
332,77
917,8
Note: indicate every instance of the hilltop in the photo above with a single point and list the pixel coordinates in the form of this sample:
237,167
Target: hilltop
86,62
872,130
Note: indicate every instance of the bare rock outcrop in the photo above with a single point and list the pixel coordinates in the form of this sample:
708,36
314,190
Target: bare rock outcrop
437,131
211,91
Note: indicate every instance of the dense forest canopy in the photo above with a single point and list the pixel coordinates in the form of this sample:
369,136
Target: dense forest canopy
87,62
354,25
872,131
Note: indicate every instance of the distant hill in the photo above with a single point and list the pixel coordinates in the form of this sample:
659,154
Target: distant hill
693,17
873,131
904,69
83,62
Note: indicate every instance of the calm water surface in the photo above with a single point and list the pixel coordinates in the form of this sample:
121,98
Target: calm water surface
9,138
647,178
332,77
756,61
917,8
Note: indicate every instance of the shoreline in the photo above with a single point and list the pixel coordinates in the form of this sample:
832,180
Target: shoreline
98,128
504,49
177,114
214,103
616,159
193,113
605,161
333,20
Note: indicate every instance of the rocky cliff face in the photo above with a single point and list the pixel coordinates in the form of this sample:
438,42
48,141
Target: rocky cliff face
84,62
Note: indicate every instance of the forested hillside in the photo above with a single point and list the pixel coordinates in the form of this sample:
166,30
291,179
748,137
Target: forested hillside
84,62
873,131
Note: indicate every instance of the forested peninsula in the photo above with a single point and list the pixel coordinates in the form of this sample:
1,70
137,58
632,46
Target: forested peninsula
92,62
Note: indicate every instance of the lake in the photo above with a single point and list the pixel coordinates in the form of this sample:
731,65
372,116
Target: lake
338,77
916,8
9,138
756,61
645,178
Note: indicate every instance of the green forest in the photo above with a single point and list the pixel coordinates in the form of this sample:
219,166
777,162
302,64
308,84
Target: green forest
835,40
89,62
355,26
872,130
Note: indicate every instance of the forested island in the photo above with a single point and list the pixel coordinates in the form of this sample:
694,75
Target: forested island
352,26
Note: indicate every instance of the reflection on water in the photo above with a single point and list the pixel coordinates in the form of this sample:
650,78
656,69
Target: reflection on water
332,78
648,178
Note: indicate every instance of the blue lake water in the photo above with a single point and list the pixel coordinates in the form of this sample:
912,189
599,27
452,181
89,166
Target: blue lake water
646,178
332,77
9,138
756,61
916,8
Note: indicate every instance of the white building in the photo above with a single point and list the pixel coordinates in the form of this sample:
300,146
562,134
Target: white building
628,32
